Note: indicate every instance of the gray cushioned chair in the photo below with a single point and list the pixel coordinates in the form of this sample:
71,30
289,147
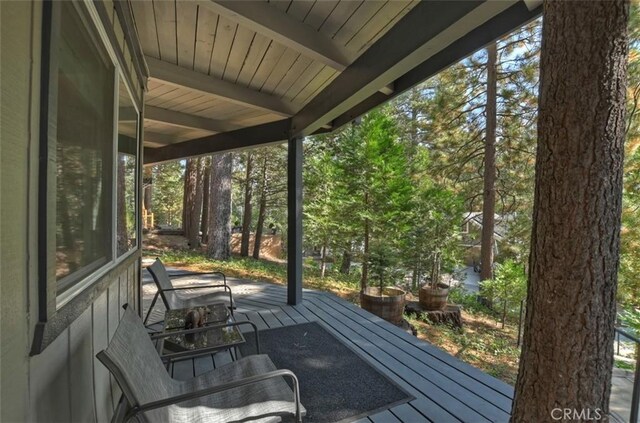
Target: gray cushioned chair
171,297
249,389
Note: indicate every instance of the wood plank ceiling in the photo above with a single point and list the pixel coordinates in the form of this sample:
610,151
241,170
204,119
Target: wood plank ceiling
221,66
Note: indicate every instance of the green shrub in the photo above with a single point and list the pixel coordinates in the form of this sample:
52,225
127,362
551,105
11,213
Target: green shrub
507,289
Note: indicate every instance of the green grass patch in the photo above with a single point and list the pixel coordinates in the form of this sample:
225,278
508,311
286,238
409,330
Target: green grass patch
346,286
625,365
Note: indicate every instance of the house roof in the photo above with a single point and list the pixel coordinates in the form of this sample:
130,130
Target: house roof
232,74
500,226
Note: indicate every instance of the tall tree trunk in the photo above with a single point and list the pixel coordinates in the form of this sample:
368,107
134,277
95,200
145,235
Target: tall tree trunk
220,207
567,352
262,211
206,188
365,259
148,187
323,258
246,217
345,267
195,208
489,192
190,207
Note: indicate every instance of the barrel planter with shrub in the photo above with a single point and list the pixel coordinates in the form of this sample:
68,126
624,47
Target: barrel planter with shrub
389,305
434,297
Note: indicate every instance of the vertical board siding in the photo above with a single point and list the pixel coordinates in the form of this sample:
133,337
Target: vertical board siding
81,368
49,382
113,318
102,382
18,39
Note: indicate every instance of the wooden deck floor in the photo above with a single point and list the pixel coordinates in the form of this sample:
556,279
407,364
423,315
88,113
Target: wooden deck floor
445,388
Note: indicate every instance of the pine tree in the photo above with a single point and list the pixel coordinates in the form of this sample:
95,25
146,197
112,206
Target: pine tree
571,304
218,246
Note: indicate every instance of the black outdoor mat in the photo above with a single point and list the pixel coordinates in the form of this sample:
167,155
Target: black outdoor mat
336,385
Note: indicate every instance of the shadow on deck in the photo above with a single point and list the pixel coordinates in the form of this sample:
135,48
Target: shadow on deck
445,388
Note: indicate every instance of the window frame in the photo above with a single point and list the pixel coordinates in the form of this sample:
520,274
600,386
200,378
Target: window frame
138,171
55,311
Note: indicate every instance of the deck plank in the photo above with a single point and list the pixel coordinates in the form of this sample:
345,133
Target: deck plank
202,364
270,319
183,369
222,357
406,413
384,417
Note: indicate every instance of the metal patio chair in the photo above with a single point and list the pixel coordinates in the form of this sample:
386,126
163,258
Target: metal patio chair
173,300
249,389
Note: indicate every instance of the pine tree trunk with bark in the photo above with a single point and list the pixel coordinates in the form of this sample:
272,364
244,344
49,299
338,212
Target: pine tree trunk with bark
188,191
192,204
489,191
247,214
567,352
206,183
364,279
262,211
148,188
345,266
218,246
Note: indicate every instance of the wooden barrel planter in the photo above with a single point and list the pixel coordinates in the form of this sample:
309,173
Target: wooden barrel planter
389,305
434,298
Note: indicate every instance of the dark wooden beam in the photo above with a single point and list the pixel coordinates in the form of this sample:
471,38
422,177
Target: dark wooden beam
427,29
267,133
294,221
512,18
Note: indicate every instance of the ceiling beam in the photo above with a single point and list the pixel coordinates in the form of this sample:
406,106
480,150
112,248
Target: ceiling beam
427,29
388,89
156,138
516,16
261,17
169,73
266,133
185,120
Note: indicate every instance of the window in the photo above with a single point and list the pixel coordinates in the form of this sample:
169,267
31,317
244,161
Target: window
83,150
89,163
127,228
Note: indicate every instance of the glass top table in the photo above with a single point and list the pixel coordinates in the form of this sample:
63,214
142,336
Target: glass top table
211,336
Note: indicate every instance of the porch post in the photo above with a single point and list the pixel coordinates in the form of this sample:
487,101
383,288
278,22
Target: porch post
294,221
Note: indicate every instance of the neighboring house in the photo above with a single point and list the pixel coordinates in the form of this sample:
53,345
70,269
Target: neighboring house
472,235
